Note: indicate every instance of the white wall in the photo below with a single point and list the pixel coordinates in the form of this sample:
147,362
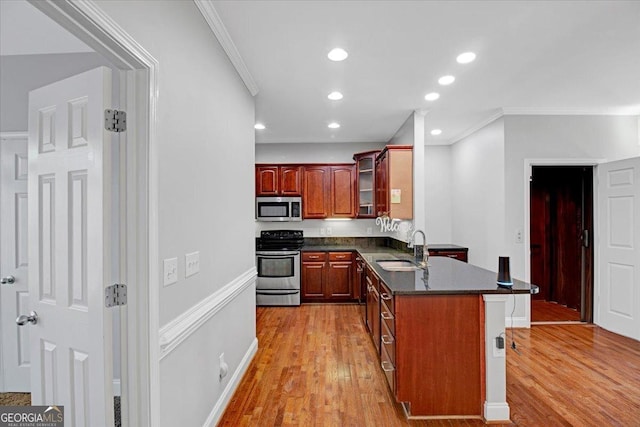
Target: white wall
20,74
478,195
556,137
438,193
205,156
405,135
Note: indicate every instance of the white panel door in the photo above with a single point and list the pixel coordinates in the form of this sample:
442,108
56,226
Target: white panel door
14,297
619,247
69,248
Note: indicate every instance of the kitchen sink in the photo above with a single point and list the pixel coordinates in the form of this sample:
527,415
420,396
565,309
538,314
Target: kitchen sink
397,265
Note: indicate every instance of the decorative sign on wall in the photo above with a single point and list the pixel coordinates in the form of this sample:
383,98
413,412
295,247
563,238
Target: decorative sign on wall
396,195
387,224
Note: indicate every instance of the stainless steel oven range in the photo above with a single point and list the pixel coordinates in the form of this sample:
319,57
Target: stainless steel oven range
278,264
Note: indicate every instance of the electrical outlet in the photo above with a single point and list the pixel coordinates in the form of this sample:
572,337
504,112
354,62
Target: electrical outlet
498,348
170,275
192,264
369,231
519,236
322,231
329,231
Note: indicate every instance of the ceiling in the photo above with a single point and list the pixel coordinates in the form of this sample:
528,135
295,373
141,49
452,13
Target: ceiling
533,57
24,30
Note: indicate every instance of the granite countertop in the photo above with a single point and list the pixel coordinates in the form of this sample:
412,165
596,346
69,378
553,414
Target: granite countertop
444,276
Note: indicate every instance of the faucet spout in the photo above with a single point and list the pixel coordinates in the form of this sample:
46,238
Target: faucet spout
420,252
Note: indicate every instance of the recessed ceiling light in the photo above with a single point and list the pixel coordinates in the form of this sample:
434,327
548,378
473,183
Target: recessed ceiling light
432,96
333,125
436,132
259,126
335,96
337,54
446,80
465,58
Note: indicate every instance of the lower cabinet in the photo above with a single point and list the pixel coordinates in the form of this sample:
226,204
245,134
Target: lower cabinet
388,336
327,276
373,307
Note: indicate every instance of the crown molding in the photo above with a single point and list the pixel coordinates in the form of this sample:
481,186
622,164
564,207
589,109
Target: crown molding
489,119
526,111
215,23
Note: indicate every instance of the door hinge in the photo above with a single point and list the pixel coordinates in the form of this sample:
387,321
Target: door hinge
115,120
115,295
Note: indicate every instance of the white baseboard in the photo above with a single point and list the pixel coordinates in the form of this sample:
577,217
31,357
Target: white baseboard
495,412
518,322
232,385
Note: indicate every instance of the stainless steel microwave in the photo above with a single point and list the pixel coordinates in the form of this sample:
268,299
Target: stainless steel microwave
279,208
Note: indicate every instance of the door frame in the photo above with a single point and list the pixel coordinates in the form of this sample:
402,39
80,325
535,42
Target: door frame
140,321
528,172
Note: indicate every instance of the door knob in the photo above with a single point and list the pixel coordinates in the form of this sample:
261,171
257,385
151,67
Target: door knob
8,280
24,319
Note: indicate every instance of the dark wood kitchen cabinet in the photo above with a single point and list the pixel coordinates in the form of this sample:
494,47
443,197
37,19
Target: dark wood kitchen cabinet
365,183
278,180
327,276
451,251
373,307
328,191
313,277
315,204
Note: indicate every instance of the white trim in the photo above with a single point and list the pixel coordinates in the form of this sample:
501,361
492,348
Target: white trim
90,24
13,135
218,410
117,391
473,129
180,328
496,413
217,26
526,111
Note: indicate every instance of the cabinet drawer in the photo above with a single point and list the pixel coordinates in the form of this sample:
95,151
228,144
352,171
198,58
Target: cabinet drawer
340,256
388,342
386,297
314,256
387,317
459,255
389,369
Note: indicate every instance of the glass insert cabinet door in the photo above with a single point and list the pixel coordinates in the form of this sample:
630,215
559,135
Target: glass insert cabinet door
365,163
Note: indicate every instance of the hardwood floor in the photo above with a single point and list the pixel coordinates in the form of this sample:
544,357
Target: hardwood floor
316,366
545,311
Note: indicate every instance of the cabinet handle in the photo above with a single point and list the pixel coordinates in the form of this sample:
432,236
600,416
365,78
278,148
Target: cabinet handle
385,296
452,256
387,366
389,340
314,257
386,316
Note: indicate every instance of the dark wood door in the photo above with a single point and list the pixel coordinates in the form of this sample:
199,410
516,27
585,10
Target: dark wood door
313,280
340,281
314,193
342,194
267,182
291,180
561,219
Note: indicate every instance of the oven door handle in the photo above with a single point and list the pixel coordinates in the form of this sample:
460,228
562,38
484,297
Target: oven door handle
276,254
277,293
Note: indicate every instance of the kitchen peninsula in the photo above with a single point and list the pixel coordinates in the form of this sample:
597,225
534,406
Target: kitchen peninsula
437,333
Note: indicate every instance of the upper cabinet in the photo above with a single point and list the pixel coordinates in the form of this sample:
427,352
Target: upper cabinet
274,180
394,182
315,203
365,183
328,191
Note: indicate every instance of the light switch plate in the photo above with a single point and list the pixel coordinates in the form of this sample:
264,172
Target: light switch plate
170,275
192,263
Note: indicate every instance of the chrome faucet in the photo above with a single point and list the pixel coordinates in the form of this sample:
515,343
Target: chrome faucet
420,252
